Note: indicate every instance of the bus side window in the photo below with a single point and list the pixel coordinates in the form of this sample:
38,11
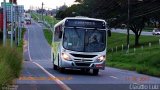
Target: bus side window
57,34
60,34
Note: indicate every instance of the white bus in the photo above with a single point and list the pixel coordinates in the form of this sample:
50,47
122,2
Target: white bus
79,43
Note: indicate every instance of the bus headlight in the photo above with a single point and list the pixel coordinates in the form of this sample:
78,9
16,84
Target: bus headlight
65,56
102,58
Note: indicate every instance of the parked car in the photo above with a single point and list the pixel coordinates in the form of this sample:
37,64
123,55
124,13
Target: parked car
39,21
27,21
156,31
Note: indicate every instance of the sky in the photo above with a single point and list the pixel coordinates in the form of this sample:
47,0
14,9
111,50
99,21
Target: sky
48,4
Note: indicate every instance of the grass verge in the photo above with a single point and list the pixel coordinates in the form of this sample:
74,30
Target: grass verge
48,35
51,20
10,62
143,60
35,16
118,39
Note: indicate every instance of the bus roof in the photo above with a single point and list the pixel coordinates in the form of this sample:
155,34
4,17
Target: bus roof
79,18
84,18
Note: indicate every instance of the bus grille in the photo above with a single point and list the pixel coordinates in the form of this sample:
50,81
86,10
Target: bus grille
82,60
83,56
83,64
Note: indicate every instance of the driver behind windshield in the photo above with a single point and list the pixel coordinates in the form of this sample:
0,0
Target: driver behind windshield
94,42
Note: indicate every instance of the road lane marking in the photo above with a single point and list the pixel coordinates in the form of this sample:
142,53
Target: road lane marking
25,45
37,23
135,83
43,78
114,77
60,83
30,59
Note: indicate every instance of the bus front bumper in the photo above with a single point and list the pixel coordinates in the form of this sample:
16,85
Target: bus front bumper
81,65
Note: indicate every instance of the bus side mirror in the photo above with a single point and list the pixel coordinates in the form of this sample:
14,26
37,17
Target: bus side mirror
109,33
60,34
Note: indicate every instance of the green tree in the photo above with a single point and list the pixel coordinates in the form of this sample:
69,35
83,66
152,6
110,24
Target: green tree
115,12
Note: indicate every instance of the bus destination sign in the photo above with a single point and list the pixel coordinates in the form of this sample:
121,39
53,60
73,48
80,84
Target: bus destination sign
85,23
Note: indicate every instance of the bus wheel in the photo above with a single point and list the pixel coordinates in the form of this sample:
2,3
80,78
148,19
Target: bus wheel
55,67
61,69
87,70
95,71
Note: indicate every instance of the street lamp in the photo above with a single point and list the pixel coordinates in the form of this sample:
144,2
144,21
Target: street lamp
42,11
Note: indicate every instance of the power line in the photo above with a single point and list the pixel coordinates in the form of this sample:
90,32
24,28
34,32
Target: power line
145,7
147,13
146,10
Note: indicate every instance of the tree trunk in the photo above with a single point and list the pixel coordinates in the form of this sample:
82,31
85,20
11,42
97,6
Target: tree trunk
148,24
136,39
155,24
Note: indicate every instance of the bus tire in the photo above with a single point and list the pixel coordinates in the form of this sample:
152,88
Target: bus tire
87,70
61,69
58,62
55,67
95,71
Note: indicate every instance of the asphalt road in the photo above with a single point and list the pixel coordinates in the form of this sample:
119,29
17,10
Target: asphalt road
38,74
131,32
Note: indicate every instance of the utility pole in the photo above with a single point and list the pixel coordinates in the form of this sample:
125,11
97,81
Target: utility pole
18,21
128,23
20,26
4,23
15,29
18,30
12,25
42,11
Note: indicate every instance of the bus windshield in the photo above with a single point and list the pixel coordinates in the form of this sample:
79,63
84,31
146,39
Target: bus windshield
84,40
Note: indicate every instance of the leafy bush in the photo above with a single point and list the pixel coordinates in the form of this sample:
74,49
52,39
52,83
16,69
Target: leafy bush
10,64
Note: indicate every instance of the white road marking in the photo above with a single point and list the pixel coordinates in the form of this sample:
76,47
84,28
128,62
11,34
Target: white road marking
28,47
135,83
60,83
37,23
114,77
